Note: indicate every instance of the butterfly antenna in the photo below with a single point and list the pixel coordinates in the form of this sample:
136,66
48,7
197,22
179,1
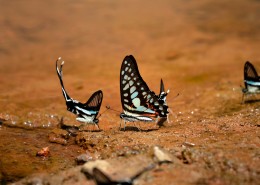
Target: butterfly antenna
176,96
109,108
102,113
172,98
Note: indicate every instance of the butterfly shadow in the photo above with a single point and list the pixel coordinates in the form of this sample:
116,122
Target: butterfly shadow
251,101
137,129
90,130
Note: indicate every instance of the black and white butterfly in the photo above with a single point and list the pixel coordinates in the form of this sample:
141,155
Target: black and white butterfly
251,80
139,103
86,112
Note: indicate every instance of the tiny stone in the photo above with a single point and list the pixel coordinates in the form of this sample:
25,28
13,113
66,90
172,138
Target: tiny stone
161,155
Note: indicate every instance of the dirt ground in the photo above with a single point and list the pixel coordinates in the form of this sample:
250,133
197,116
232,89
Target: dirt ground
197,48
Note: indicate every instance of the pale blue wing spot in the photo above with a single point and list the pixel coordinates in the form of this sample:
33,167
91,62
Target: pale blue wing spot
125,77
125,94
136,102
149,111
126,69
141,108
131,82
134,95
124,81
132,89
126,87
122,72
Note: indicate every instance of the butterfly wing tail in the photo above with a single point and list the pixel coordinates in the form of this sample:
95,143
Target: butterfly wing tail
162,87
60,75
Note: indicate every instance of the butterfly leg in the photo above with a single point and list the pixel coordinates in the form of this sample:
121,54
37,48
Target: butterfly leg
243,96
124,125
139,127
168,119
120,125
80,127
98,126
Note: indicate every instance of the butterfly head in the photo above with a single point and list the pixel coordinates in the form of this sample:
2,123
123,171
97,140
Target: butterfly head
96,121
163,95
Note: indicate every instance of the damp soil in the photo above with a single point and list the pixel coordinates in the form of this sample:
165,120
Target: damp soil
197,48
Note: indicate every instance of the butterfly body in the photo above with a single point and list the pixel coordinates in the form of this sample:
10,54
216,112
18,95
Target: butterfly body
139,103
86,112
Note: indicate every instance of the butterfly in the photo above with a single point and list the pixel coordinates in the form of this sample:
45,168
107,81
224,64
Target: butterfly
86,112
251,80
139,103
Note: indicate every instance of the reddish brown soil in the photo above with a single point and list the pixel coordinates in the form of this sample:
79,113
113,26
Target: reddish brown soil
198,48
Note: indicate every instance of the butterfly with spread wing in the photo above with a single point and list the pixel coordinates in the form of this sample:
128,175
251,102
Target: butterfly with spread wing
139,103
251,80
86,112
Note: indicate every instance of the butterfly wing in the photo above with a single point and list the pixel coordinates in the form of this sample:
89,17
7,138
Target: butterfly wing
94,102
250,74
136,97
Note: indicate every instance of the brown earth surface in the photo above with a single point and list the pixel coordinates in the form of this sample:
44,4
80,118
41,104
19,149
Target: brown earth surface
197,48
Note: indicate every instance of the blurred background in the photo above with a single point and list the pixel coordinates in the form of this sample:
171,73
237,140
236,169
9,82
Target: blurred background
197,47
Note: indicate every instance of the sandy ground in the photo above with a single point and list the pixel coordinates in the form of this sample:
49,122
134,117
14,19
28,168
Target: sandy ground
198,48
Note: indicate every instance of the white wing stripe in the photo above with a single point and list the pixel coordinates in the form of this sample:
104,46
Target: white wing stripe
252,83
